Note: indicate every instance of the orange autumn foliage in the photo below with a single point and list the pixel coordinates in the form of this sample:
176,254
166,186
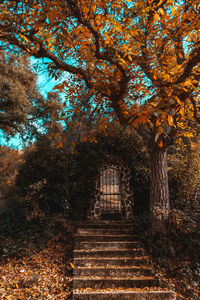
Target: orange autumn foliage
140,58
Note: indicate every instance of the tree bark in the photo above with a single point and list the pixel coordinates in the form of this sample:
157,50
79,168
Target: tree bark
159,190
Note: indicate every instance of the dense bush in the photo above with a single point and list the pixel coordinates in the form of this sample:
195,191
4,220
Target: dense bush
55,179
43,179
184,176
10,160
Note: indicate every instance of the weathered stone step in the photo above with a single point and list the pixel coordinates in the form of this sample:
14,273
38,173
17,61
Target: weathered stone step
105,222
114,282
107,237
110,264
107,245
103,231
123,295
110,261
109,253
116,271
106,225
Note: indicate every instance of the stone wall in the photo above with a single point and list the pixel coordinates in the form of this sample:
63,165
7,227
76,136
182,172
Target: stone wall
125,189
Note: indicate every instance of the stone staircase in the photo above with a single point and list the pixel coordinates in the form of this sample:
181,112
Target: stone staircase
110,263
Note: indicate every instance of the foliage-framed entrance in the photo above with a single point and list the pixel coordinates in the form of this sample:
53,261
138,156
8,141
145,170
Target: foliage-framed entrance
126,191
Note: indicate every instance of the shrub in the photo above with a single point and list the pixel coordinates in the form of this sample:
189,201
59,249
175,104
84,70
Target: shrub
53,179
43,179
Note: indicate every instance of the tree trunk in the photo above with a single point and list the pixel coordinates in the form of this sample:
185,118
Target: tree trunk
159,190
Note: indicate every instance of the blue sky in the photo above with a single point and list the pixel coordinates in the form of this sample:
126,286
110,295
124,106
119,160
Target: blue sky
44,82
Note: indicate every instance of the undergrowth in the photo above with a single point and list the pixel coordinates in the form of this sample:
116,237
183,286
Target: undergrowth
177,254
35,257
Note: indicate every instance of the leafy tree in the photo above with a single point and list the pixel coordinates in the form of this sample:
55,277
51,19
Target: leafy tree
48,114
136,60
18,93
22,108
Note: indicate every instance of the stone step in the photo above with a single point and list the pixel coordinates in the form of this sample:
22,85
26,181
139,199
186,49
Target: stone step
106,225
111,261
114,282
104,238
109,245
91,222
123,294
103,231
116,271
110,264
109,253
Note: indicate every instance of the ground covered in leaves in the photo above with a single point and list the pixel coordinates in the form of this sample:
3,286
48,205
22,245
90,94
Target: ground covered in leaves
176,255
35,258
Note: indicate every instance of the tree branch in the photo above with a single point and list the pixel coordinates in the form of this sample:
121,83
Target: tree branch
196,113
98,54
191,63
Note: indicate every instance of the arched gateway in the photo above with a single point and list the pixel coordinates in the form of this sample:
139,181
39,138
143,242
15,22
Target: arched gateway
114,197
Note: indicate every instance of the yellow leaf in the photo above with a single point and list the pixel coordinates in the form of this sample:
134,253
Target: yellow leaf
178,101
173,10
162,11
17,286
170,120
158,123
72,265
122,60
182,112
188,82
25,38
160,144
59,145
129,57
156,17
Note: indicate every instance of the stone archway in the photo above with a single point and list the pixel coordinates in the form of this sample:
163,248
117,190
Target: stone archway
120,199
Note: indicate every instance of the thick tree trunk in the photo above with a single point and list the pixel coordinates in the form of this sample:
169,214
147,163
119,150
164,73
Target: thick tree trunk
159,190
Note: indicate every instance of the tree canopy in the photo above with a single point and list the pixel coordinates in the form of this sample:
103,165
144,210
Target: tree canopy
18,93
140,58
23,109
